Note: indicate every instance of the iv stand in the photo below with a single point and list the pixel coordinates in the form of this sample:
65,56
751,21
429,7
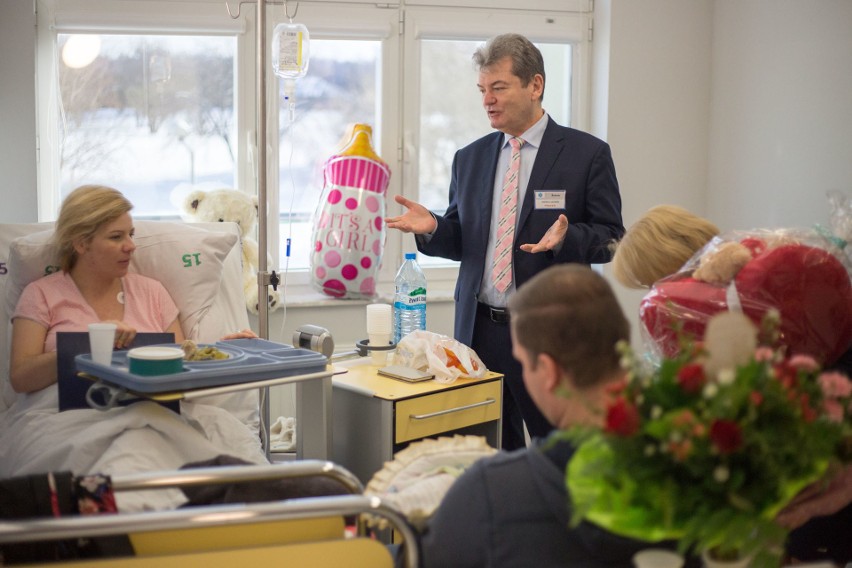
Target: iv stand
316,429
263,277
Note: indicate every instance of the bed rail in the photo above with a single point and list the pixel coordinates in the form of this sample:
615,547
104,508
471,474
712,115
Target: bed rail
237,474
210,516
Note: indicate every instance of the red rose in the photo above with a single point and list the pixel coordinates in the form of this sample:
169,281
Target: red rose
622,418
808,413
726,436
786,375
691,378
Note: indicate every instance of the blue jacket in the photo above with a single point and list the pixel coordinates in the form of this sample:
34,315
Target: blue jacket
512,510
568,160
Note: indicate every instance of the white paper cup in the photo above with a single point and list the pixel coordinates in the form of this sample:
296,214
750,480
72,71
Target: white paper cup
379,318
379,340
101,341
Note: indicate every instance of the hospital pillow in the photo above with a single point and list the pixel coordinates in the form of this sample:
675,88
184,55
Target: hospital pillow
200,267
9,233
186,260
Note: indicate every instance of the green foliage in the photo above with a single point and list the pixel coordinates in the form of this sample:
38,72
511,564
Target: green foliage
709,460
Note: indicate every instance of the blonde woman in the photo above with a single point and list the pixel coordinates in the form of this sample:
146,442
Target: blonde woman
658,244
94,242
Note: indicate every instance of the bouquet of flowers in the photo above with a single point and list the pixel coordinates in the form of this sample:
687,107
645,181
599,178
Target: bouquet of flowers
709,446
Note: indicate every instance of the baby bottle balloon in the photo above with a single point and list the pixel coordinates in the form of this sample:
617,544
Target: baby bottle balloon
349,230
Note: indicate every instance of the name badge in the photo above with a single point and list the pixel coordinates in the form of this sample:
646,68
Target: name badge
550,199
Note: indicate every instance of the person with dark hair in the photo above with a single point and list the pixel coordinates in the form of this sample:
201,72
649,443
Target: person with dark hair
526,197
513,509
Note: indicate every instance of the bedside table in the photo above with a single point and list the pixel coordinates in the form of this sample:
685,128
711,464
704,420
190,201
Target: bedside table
374,417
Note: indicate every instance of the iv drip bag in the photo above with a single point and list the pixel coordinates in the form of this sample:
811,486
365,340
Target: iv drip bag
290,50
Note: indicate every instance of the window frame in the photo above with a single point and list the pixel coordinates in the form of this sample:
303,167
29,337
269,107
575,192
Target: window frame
398,26
129,17
465,23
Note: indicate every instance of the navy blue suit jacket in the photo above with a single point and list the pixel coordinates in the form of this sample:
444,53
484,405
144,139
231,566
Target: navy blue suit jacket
568,160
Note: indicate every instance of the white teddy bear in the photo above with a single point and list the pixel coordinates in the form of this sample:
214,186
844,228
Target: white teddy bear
231,205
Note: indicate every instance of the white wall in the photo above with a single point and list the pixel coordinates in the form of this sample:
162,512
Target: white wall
739,110
658,107
781,111
17,112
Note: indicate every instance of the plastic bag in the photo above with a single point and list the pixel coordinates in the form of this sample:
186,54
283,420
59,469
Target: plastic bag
798,273
445,357
419,476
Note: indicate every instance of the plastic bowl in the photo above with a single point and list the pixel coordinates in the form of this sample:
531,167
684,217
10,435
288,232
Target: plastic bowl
155,360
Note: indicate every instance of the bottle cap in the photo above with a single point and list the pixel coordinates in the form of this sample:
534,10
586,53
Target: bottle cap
410,255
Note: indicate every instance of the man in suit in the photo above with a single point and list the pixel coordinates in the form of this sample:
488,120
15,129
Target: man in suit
531,195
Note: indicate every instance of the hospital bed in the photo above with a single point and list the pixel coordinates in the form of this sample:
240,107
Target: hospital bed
297,532
200,265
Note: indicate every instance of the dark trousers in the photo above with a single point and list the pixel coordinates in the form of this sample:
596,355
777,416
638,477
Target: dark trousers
492,341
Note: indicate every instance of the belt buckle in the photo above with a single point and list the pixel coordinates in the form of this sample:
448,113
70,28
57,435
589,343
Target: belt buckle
498,315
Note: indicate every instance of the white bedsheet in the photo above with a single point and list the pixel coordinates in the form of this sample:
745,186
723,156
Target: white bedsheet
35,438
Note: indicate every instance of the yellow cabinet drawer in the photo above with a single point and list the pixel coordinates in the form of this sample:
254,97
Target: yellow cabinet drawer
432,414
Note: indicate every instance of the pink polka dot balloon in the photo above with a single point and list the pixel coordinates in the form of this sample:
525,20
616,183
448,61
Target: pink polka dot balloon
348,228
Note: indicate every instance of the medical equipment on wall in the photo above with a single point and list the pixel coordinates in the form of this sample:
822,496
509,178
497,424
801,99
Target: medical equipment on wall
290,57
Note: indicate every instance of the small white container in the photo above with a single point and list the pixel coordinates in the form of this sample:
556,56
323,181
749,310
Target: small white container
155,360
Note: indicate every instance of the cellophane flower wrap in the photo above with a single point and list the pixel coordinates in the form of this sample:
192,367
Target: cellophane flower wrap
708,446
799,273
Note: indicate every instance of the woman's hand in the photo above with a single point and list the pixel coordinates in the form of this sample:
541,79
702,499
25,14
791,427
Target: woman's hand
241,334
124,334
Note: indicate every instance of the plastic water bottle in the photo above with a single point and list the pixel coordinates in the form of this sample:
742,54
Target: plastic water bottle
409,303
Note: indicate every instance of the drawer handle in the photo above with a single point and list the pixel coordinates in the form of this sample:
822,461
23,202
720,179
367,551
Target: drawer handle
485,402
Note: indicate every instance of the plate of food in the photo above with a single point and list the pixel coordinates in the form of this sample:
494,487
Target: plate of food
209,352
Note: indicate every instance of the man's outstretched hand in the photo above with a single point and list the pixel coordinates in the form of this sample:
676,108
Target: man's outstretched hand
416,219
553,237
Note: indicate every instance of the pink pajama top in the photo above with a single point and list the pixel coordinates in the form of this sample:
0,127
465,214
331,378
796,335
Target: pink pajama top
55,302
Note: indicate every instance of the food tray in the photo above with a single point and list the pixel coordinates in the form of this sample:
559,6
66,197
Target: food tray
250,360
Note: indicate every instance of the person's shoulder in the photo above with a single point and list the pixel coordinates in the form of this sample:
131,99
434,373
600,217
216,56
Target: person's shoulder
49,281
573,134
480,144
502,461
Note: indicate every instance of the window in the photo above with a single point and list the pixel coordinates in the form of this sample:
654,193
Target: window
446,75
130,101
167,101
339,90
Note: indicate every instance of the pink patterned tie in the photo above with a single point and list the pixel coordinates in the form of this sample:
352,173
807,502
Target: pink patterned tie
501,273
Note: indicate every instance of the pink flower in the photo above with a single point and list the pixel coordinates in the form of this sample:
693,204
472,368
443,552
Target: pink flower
833,410
835,385
681,450
763,354
803,363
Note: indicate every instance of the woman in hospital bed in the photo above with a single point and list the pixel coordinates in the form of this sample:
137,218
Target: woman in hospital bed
94,240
